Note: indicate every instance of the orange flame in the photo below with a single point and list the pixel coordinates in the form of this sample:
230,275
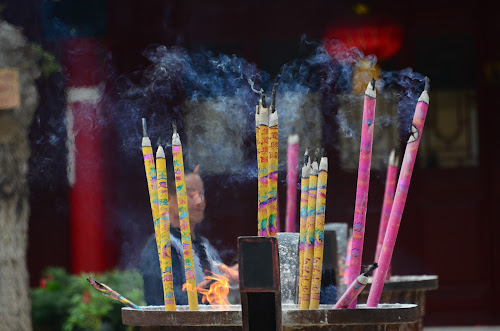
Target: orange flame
217,294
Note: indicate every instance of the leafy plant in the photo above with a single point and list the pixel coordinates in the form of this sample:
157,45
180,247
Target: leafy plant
69,302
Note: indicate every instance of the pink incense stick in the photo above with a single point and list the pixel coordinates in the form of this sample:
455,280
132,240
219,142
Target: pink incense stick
390,188
400,197
291,182
365,157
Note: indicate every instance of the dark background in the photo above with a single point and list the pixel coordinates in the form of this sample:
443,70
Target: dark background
450,225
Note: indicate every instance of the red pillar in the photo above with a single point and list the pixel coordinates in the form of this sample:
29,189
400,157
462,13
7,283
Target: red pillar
85,159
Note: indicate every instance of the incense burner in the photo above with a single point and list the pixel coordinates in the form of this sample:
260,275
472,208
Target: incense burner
384,317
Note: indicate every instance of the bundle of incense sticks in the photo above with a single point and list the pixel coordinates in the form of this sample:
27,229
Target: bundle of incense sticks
400,197
309,235
161,223
266,133
365,154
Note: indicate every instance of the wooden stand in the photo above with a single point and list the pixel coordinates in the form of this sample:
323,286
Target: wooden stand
259,283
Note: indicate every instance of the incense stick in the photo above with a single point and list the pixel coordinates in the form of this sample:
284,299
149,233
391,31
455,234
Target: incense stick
166,256
291,181
149,166
365,155
355,288
273,168
304,192
263,169
390,189
187,246
109,292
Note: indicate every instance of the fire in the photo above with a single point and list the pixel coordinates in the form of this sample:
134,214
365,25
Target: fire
217,294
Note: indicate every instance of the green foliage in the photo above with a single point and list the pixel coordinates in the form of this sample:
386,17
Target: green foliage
69,302
48,63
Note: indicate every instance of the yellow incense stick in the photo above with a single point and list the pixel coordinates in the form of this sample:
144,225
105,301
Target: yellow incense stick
263,170
187,245
304,192
259,166
319,231
309,243
273,171
166,256
149,165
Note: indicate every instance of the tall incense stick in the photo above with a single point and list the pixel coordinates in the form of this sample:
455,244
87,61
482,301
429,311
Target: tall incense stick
319,232
365,156
187,246
273,168
166,248
291,181
149,166
304,193
400,196
263,169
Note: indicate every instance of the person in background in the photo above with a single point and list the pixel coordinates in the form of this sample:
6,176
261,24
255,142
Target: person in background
206,258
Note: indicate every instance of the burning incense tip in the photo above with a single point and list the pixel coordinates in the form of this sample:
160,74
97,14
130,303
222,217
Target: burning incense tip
317,154
369,270
373,83
427,84
323,152
273,98
263,101
144,128
174,126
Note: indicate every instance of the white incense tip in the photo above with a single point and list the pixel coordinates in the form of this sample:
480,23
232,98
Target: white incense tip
323,164
273,119
146,142
305,171
160,153
176,139
293,139
264,116
362,279
370,90
393,159
314,168
424,97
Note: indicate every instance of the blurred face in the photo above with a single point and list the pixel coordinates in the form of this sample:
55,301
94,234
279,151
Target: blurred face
195,199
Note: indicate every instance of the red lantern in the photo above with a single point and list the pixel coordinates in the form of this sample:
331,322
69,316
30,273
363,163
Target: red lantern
383,40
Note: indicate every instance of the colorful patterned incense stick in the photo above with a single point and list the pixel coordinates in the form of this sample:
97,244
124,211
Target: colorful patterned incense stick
291,181
304,193
263,169
309,243
166,249
259,167
355,288
365,156
400,197
149,165
390,188
187,246
272,197
319,232
109,292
